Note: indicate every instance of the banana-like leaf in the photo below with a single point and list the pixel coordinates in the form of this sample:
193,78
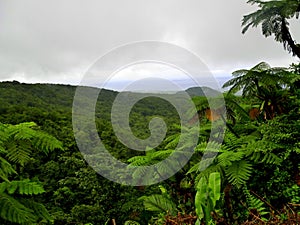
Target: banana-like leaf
208,193
201,197
214,185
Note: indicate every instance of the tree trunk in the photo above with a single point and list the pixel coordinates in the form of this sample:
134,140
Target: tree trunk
288,41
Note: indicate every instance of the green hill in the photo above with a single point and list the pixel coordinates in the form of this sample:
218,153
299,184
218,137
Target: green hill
202,91
46,104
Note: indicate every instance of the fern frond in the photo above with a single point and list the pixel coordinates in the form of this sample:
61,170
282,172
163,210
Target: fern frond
254,203
210,146
39,209
27,187
45,142
21,131
159,203
139,161
39,140
254,156
4,136
144,175
227,158
20,140
6,169
231,142
19,152
239,172
261,157
161,155
194,168
13,211
23,187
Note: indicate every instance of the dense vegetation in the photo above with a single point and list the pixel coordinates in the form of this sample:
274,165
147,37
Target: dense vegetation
254,178
251,176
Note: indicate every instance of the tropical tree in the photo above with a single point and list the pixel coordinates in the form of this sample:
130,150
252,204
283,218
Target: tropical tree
273,16
229,115
268,86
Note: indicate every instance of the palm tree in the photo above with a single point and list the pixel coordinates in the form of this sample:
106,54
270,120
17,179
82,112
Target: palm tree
274,16
268,86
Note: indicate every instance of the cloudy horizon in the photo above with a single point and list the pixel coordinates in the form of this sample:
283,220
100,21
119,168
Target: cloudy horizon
57,41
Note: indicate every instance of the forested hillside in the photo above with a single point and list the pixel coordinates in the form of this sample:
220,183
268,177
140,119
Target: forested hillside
254,178
74,192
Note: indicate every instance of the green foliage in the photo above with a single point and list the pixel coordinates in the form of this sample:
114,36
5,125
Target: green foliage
12,210
254,203
130,222
239,172
208,193
236,158
293,193
256,158
266,85
18,142
159,203
23,138
23,187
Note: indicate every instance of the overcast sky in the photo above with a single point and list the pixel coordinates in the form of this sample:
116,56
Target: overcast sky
56,41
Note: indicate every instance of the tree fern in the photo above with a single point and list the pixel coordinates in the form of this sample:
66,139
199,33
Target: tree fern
17,144
273,16
40,141
236,157
22,139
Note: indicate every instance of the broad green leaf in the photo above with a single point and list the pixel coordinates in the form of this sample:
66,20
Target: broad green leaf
201,197
214,185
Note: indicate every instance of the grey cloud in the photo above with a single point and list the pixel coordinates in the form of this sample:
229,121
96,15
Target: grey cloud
57,40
